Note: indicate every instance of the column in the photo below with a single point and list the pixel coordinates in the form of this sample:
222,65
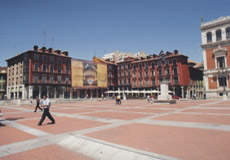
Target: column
91,91
182,89
55,92
63,92
47,89
30,91
23,92
86,95
78,93
71,93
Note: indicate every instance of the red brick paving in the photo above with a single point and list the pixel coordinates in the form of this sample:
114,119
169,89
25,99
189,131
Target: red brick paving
179,142
183,143
11,135
224,111
117,115
51,152
63,124
214,119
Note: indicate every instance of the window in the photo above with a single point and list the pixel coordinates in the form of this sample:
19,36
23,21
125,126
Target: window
218,35
146,74
168,80
222,81
146,83
175,71
44,67
59,60
129,73
140,81
67,80
44,58
51,78
175,80
146,65
51,59
220,62
160,80
35,78
51,68
158,63
153,82
209,37
134,74
36,57
140,66
135,83
153,73
167,71
160,72
59,69
134,67
67,61
36,67
228,33
124,74
124,81
153,65
120,81
59,79
166,62
123,66
44,78
110,75
67,70
140,74
129,81
174,61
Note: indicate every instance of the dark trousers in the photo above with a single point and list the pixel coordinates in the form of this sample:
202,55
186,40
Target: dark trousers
37,106
46,112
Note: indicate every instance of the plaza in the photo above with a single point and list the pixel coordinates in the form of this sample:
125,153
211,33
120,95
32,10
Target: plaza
91,129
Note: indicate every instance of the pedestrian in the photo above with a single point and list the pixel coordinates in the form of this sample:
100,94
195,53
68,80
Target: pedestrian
46,106
31,101
148,98
118,99
38,104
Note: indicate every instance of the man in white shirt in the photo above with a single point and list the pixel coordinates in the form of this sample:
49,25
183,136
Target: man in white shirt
46,105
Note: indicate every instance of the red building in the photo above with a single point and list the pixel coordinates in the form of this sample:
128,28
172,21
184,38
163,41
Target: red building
38,72
147,73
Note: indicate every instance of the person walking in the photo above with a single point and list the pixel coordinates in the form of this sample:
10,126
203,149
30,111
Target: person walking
46,106
38,104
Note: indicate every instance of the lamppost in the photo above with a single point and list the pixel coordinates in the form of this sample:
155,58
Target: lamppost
224,75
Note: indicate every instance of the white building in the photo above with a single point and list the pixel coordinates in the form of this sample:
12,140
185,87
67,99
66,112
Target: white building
216,56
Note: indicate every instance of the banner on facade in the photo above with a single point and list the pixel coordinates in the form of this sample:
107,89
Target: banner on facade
88,74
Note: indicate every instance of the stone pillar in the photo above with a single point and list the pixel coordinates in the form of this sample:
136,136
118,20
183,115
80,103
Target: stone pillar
30,91
91,91
79,92
47,89
86,94
39,91
182,89
71,93
55,92
23,92
63,92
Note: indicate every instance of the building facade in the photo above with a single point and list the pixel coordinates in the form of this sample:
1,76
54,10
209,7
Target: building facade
3,82
39,72
216,56
148,73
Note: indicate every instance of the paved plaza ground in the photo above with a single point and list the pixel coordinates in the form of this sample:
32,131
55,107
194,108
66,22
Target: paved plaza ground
135,130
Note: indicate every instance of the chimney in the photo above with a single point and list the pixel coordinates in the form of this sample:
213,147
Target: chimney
57,52
175,51
35,48
43,49
65,53
50,50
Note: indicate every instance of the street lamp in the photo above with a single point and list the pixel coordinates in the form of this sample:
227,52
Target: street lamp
224,75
